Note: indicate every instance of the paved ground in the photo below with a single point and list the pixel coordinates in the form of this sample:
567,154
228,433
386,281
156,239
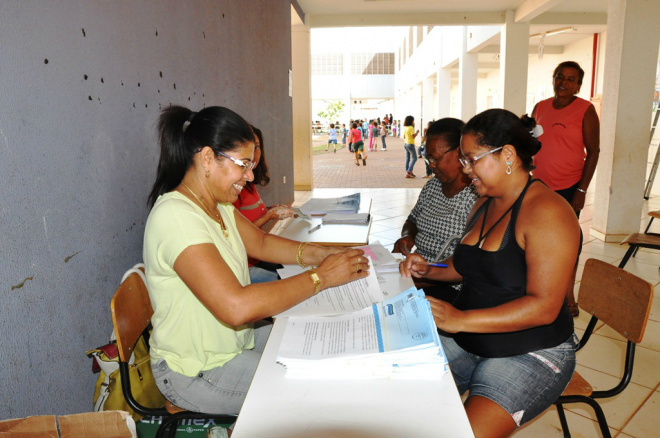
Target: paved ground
384,169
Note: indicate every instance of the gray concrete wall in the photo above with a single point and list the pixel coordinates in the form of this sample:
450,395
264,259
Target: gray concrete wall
81,86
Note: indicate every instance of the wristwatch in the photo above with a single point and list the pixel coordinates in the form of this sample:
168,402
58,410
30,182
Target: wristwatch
315,278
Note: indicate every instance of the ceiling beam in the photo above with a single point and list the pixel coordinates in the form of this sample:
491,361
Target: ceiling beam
533,8
447,19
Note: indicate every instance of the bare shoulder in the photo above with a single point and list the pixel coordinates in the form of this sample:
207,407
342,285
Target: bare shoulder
544,211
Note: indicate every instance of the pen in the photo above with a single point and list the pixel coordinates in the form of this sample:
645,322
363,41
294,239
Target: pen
437,265
314,229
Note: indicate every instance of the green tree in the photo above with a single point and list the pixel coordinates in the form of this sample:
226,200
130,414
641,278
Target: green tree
332,111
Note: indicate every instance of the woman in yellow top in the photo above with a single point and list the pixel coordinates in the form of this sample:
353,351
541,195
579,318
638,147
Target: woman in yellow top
207,334
409,135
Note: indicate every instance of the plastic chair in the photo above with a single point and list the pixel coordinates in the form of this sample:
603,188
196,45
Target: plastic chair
622,301
131,317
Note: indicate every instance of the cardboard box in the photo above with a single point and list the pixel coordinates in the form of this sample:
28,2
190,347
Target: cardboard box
109,424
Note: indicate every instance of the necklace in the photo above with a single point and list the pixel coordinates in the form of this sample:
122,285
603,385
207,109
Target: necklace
217,217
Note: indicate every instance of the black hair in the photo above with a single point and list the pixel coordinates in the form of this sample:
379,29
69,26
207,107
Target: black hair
182,133
449,129
494,128
570,64
408,121
354,125
261,175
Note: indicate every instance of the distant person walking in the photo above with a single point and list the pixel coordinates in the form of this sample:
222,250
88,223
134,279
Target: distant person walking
409,135
394,128
358,145
383,134
374,133
344,134
332,137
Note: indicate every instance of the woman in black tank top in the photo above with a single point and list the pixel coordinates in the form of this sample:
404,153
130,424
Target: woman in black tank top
515,260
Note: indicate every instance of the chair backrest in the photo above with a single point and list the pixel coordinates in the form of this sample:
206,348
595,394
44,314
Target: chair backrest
131,313
616,297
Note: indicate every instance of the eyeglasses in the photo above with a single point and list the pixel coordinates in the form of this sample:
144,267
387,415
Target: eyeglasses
242,164
431,161
471,161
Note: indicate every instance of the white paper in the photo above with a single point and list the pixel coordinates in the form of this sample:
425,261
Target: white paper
337,300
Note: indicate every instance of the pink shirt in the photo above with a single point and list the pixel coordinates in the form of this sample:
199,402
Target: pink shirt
560,161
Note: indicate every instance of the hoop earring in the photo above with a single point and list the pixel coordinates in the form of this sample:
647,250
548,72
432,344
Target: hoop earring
508,167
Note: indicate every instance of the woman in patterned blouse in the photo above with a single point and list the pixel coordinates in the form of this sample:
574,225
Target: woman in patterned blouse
443,205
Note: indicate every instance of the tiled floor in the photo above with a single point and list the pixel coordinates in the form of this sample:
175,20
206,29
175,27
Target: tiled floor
635,412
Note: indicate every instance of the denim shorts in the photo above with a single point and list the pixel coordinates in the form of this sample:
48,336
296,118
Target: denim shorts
523,385
220,390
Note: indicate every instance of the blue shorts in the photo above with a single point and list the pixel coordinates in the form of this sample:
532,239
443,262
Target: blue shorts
334,140
523,385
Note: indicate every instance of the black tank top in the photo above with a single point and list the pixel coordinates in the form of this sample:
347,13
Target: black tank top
492,278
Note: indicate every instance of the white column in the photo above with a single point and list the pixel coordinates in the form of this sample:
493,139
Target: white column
514,60
427,99
467,80
443,98
302,107
631,55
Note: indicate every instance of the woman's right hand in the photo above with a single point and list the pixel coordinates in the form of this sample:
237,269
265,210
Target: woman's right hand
340,268
414,266
403,245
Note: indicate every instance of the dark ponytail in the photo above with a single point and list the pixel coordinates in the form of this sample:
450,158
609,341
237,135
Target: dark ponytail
182,133
494,128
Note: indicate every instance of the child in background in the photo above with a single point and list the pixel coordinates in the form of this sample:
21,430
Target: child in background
332,137
374,133
370,134
383,134
344,133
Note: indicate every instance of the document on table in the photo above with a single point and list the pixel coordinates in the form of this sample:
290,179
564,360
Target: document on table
346,219
396,338
337,300
322,206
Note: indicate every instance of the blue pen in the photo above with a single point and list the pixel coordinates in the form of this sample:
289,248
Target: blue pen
437,265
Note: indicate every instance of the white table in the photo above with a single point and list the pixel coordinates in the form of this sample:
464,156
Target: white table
277,407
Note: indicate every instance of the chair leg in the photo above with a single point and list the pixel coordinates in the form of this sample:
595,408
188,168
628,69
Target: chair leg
602,422
626,257
562,420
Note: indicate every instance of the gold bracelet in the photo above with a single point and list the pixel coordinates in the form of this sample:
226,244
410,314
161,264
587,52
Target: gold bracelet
300,254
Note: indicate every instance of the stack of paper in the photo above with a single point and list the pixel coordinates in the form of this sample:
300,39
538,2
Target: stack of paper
321,206
352,219
393,339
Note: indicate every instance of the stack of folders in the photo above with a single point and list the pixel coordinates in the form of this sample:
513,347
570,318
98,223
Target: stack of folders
393,339
351,219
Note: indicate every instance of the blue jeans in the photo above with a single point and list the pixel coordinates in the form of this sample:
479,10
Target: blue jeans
261,275
220,390
410,152
523,385
382,138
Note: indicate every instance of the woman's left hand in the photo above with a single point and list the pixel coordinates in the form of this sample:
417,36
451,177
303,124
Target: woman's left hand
577,202
446,317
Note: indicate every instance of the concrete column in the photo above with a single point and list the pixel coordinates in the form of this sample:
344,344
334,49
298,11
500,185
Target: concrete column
631,55
302,107
427,100
514,61
443,98
467,80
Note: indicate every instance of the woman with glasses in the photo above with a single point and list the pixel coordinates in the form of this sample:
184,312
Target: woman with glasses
509,335
250,204
208,332
443,205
